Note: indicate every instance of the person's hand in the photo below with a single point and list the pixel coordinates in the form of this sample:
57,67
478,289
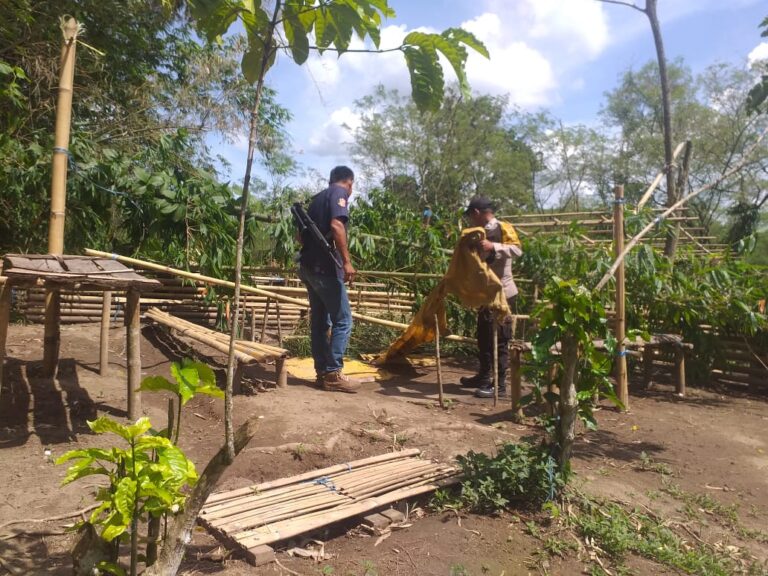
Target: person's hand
349,272
486,246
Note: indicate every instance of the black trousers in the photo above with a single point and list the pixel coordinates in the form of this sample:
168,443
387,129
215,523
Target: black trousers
485,326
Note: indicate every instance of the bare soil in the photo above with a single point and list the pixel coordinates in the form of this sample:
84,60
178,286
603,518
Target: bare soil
710,443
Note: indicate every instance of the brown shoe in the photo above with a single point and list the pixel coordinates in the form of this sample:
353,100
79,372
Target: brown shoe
338,382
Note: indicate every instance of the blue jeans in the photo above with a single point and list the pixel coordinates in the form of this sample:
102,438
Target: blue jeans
329,309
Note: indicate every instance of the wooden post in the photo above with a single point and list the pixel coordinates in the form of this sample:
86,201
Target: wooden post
253,324
133,347
647,365
680,370
5,316
106,309
51,341
550,404
279,324
439,366
52,332
281,373
618,247
495,363
515,383
264,321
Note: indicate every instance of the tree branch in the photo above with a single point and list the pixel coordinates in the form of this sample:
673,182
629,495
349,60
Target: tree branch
627,4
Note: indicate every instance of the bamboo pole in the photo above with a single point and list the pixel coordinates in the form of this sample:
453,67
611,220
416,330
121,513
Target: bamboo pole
515,383
639,236
52,338
106,308
61,138
656,181
495,363
5,316
439,367
279,324
133,347
253,290
253,324
620,330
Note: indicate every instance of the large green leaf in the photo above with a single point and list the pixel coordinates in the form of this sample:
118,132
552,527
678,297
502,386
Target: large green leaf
141,426
104,424
296,34
92,453
427,83
204,372
156,383
125,498
252,63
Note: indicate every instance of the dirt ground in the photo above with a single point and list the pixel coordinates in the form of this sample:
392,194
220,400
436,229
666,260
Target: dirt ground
709,444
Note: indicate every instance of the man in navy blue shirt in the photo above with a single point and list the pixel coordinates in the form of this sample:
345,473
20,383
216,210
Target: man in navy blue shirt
325,281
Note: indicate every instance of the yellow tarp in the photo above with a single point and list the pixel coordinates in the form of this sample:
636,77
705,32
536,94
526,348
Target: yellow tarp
469,279
304,368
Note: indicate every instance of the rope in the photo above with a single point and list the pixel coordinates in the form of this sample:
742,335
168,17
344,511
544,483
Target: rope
324,481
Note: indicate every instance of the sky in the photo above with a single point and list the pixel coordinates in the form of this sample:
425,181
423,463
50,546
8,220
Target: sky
559,55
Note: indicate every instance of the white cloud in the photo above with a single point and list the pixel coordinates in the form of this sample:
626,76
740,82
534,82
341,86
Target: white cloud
760,52
333,137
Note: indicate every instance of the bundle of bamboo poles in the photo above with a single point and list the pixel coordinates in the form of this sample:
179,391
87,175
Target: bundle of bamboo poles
280,509
245,351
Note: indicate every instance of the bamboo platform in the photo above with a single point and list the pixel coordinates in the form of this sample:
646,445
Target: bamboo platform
273,511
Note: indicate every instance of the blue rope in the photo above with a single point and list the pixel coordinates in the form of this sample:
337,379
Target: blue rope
620,201
324,481
551,478
622,353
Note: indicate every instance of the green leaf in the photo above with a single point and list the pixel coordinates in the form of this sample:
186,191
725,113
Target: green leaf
427,83
204,372
214,391
156,383
114,527
461,35
252,64
176,462
111,568
125,498
140,427
92,453
153,443
296,36
82,469
105,424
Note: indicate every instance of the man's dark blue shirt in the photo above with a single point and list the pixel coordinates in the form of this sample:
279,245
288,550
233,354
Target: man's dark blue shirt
328,204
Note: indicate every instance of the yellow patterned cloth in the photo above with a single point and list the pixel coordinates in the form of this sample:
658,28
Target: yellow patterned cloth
469,279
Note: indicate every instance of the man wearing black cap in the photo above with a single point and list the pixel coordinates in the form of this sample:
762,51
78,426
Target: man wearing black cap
500,247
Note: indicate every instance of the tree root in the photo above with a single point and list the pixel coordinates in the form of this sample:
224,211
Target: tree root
51,518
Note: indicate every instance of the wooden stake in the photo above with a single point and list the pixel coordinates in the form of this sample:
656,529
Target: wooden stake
52,332
495,363
264,321
515,383
620,331
439,366
106,309
133,347
253,324
279,324
5,315
680,370
281,373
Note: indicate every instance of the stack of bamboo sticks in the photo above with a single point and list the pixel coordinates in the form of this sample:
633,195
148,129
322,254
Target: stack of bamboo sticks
280,509
245,350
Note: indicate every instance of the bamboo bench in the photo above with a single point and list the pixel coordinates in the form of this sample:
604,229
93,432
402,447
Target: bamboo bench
246,352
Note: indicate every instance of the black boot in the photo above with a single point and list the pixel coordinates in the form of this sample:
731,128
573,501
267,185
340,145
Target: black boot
486,391
476,381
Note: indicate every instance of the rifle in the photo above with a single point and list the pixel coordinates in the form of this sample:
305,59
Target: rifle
306,224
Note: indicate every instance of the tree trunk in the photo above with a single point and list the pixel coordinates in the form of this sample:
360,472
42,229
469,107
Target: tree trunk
181,526
568,403
228,392
666,107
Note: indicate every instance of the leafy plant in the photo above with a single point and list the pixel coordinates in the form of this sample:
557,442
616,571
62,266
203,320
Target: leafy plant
189,378
524,474
146,478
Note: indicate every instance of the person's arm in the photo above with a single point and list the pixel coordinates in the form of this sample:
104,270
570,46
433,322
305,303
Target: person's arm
509,247
339,234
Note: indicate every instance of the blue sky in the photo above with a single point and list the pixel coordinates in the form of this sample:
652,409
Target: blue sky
561,55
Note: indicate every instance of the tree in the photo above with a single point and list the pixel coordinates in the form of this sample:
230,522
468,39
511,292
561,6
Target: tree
758,95
666,107
442,158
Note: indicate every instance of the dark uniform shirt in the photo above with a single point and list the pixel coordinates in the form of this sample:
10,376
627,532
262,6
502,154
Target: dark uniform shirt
328,204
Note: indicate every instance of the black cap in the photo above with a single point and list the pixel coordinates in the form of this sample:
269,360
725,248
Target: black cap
480,203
